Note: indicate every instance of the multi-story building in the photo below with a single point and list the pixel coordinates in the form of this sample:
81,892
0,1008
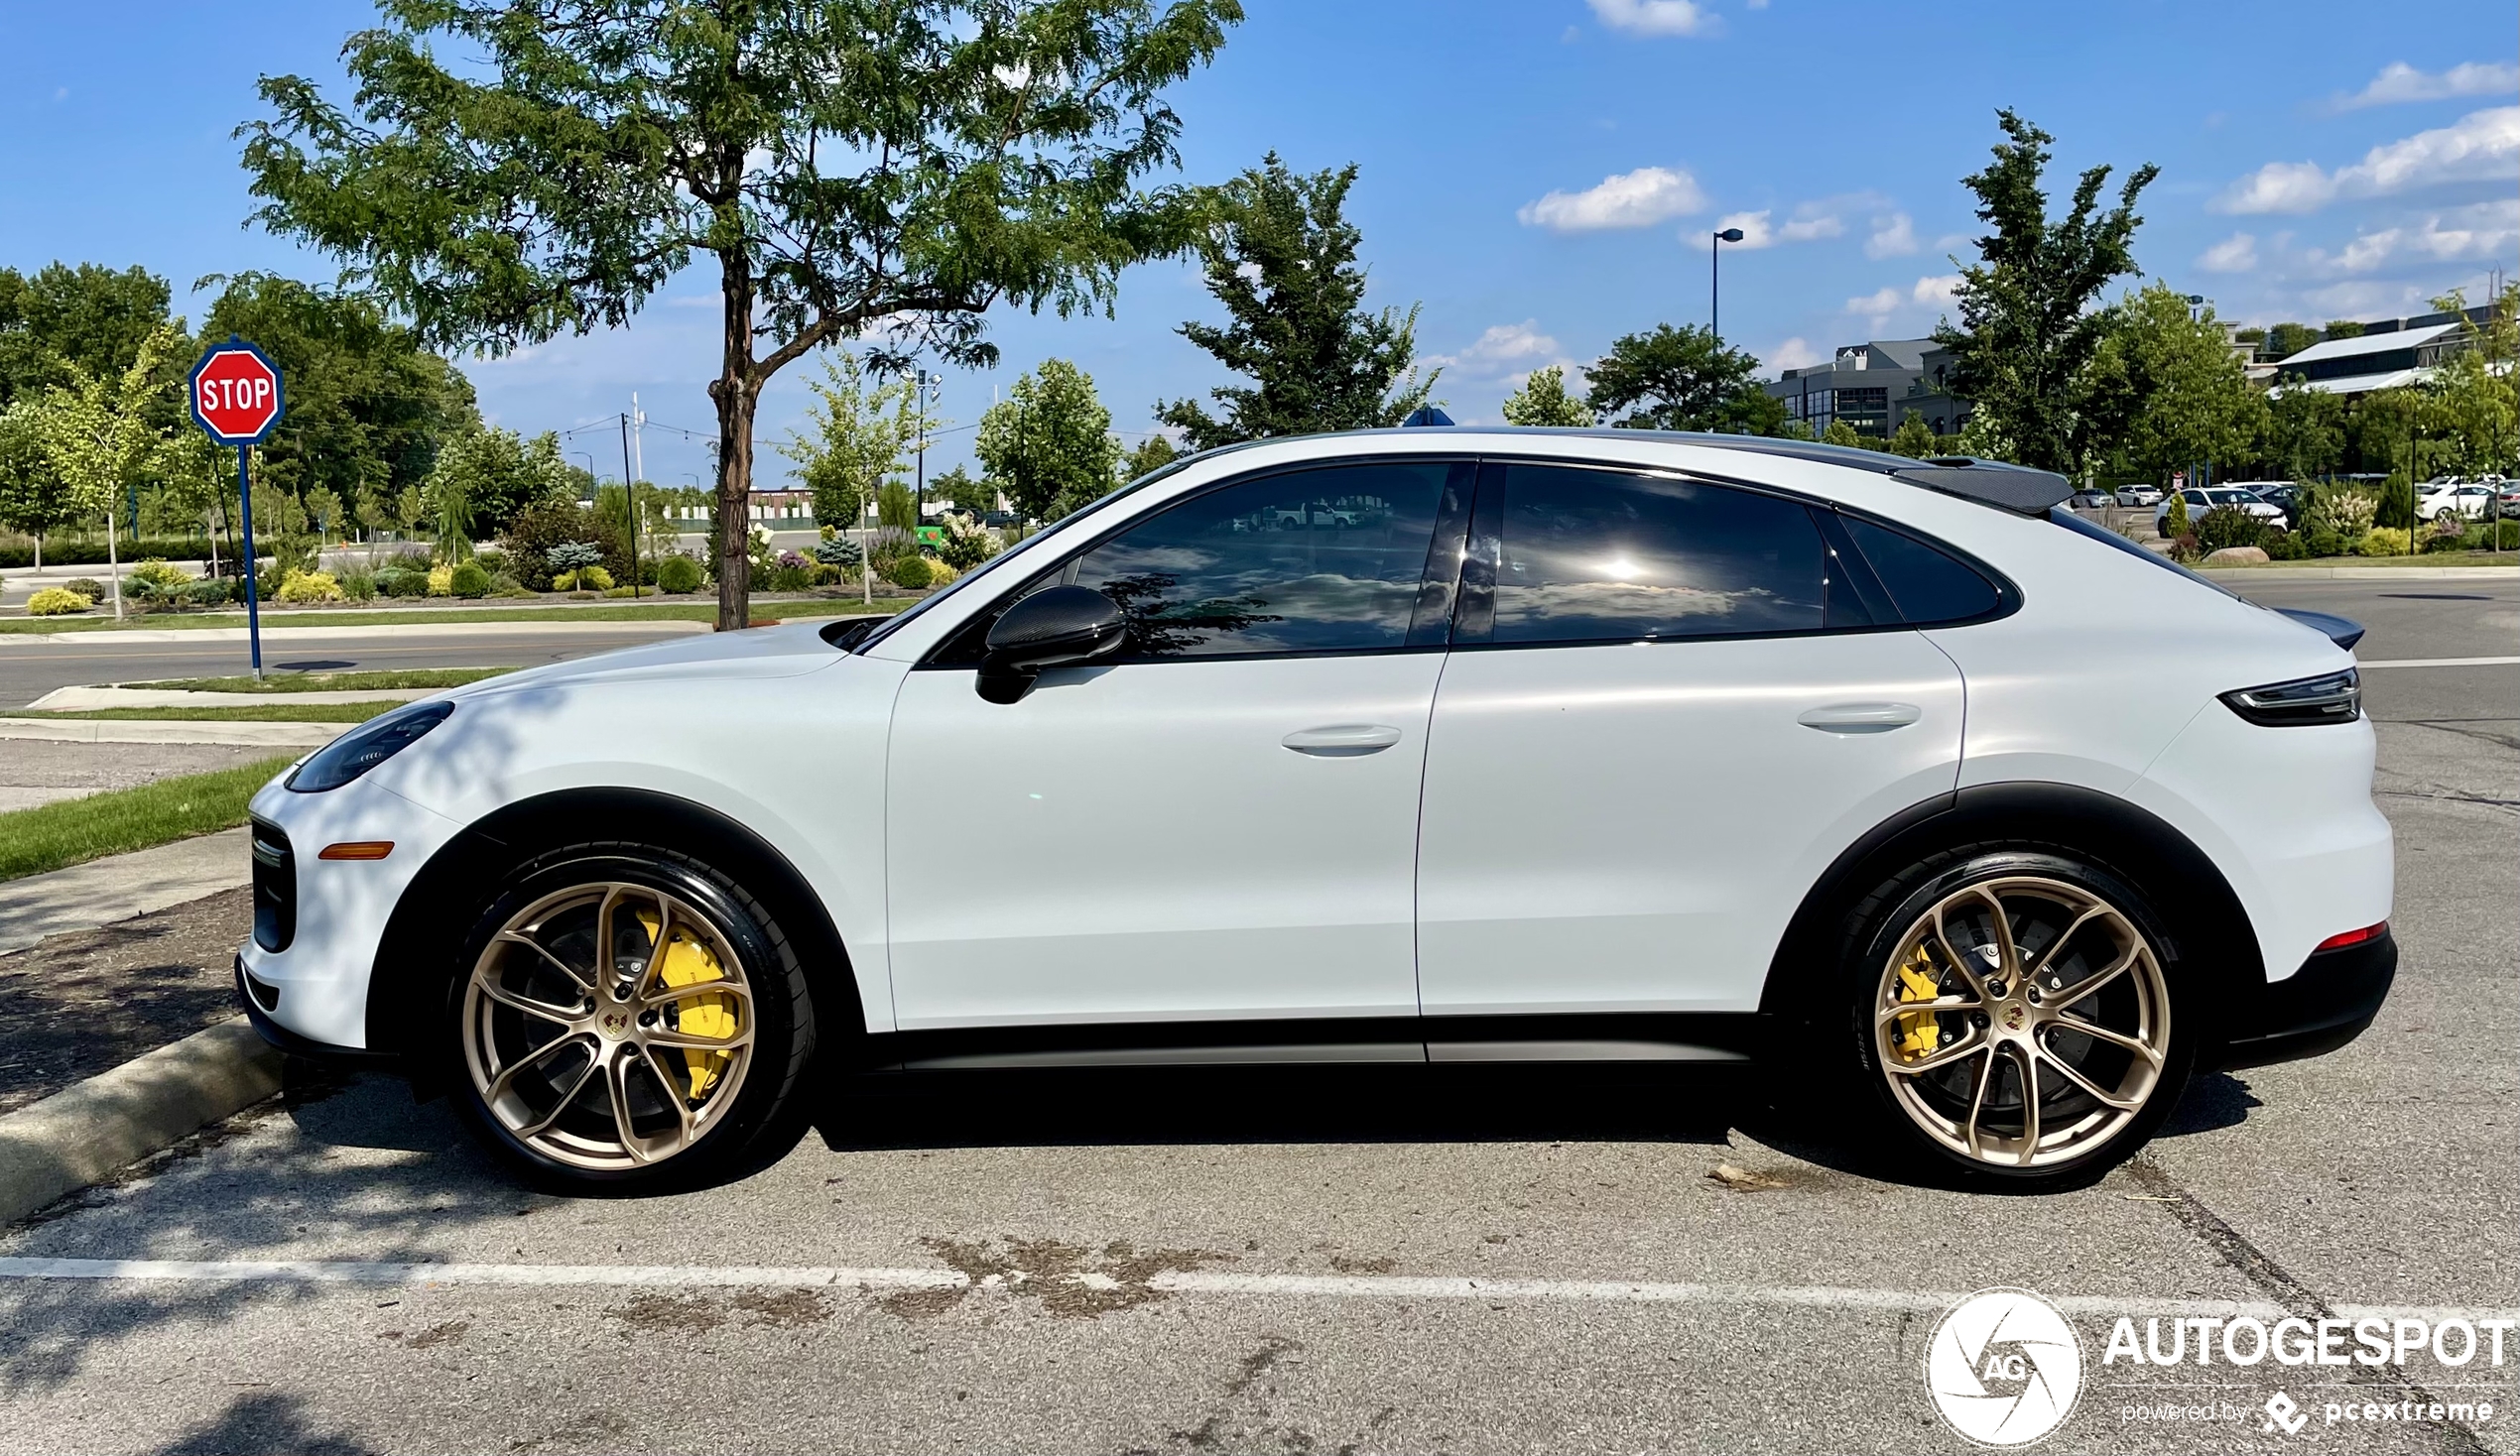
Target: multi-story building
1873,387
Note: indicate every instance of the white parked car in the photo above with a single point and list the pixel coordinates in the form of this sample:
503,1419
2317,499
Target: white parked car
1590,746
2138,495
2210,498
2449,500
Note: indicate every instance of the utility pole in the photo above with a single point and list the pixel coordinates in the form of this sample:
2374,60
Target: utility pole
1714,282
630,498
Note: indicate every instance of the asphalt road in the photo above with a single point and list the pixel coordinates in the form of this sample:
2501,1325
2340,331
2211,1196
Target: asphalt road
1381,1260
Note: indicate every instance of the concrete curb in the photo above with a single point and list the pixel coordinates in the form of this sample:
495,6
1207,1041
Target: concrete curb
106,695
2362,573
160,637
78,1136
124,730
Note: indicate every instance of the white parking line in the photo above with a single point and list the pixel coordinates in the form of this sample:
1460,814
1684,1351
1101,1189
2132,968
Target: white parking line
1278,1286
2441,663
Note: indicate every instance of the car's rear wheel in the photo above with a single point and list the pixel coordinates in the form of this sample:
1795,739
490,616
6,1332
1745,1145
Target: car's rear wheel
2016,1017
625,1015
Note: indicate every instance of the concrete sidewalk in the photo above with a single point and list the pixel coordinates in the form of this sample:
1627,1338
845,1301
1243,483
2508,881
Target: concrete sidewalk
174,730
121,886
84,699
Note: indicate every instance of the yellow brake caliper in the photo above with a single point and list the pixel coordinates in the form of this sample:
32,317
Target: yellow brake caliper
1915,1034
689,962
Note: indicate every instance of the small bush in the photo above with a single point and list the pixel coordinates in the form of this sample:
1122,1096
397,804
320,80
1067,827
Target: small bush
87,587
2183,547
155,578
493,560
2228,526
468,581
2286,545
677,573
594,578
2480,538
822,573
2319,541
2383,540
56,601
835,552
619,591
360,586
910,573
441,582
304,588
788,578
209,591
396,581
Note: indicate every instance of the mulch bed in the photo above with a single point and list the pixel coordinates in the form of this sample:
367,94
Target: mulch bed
88,1000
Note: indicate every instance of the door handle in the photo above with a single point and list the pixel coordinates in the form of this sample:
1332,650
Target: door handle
1861,717
1342,740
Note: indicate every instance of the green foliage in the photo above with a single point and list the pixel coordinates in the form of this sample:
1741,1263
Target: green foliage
2303,434
1914,439
2340,512
49,836
99,432
54,601
34,496
1151,454
471,581
968,542
958,489
2342,328
536,540
896,508
307,589
2026,330
2475,394
282,533
1543,401
2175,524
2397,503
677,573
2287,339
857,438
909,572
2228,526
65,318
2384,541
2164,388
1681,378
1842,434
1049,442
497,473
905,165
1280,255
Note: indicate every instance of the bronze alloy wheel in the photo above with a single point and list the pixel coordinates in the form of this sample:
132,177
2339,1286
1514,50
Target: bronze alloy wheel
2022,1022
608,1026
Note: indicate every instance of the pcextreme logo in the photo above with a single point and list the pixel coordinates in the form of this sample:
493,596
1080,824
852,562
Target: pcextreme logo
2005,1367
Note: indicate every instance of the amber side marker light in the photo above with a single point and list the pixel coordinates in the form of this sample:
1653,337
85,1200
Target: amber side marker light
2333,942
358,849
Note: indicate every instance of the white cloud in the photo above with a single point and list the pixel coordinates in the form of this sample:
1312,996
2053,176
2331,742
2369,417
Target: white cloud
1893,236
1654,17
1937,289
1794,353
1934,290
1639,198
2487,230
2480,146
1876,306
2398,82
2234,254
1503,347
1809,222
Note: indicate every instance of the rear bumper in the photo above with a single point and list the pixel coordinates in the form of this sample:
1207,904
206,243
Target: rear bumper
2315,1009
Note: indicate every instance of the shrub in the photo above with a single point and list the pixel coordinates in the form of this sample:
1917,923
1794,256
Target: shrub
209,591
2183,547
546,527
594,578
2446,536
56,601
822,573
155,578
2286,545
2228,526
2481,538
400,582
836,553
87,587
2383,540
441,582
677,573
619,591
2176,524
301,588
911,574
493,560
793,560
468,581
2317,540
968,542
360,586
785,578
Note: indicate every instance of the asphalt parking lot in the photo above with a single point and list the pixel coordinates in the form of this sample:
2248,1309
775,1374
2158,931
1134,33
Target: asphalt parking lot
1395,1259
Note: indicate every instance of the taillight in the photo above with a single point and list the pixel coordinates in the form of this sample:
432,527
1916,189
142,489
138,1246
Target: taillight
2335,697
2353,938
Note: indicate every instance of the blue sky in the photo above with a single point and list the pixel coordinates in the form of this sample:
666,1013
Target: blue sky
1539,174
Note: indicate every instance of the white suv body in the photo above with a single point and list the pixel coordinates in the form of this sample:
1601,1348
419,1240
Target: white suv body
1576,789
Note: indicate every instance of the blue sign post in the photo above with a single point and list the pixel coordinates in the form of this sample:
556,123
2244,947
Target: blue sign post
236,398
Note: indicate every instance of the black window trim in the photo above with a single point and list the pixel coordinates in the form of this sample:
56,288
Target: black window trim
1481,548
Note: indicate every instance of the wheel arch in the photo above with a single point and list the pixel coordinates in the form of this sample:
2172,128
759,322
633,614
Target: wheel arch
469,866
2208,926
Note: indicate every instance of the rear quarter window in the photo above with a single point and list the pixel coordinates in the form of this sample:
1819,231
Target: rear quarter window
1930,586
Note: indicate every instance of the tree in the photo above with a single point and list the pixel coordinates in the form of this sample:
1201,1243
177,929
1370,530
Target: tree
1280,255
498,473
1049,442
1914,439
1845,435
2304,435
845,163
2343,328
2027,329
1543,399
368,406
2287,339
856,439
2475,409
1151,454
34,498
63,317
99,434
2164,389
1681,378
957,488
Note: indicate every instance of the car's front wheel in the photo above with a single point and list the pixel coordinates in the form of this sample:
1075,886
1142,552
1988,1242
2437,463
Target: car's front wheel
624,1014
2016,1017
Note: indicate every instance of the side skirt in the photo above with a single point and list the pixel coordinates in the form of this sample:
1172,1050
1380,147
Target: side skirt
1623,1037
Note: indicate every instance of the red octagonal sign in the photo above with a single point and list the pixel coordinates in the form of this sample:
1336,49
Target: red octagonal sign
236,393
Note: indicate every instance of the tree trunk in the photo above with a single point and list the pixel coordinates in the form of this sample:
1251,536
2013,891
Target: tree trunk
734,391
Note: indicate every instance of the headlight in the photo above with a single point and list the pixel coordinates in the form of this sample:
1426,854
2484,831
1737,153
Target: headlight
366,746
2335,697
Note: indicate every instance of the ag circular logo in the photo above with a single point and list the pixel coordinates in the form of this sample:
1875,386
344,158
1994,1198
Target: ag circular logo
2003,1367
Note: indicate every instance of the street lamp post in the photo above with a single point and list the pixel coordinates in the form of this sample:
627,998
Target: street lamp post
1715,290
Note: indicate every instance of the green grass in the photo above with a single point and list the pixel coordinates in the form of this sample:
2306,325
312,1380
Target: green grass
52,835
2425,559
386,616
248,713
429,677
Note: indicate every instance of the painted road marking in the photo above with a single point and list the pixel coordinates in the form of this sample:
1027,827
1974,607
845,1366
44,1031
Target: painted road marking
1277,1286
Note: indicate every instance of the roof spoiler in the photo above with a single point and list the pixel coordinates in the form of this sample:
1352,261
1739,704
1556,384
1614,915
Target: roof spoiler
2014,488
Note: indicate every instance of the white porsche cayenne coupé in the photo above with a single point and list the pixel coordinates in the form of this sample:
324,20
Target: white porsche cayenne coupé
1419,745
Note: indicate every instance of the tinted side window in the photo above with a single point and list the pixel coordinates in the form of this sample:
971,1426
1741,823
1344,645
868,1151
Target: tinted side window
1927,585
1309,560
1594,555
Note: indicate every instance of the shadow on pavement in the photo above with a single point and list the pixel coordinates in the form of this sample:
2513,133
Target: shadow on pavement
262,1421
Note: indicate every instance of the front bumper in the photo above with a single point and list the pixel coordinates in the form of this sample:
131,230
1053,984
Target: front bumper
260,998
2315,1009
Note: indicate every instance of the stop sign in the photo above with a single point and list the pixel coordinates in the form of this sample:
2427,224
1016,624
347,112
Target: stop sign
236,393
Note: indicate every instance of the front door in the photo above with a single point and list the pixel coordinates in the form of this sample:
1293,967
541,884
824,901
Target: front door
1220,822
1657,728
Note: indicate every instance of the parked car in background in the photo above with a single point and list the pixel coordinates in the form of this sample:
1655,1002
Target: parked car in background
2091,499
2138,495
2207,498
2283,495
2445,500
2509,495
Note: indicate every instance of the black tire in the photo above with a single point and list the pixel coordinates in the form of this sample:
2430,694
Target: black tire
1879,928
765,1099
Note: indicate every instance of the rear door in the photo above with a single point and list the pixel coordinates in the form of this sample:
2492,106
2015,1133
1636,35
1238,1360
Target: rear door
1666,711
